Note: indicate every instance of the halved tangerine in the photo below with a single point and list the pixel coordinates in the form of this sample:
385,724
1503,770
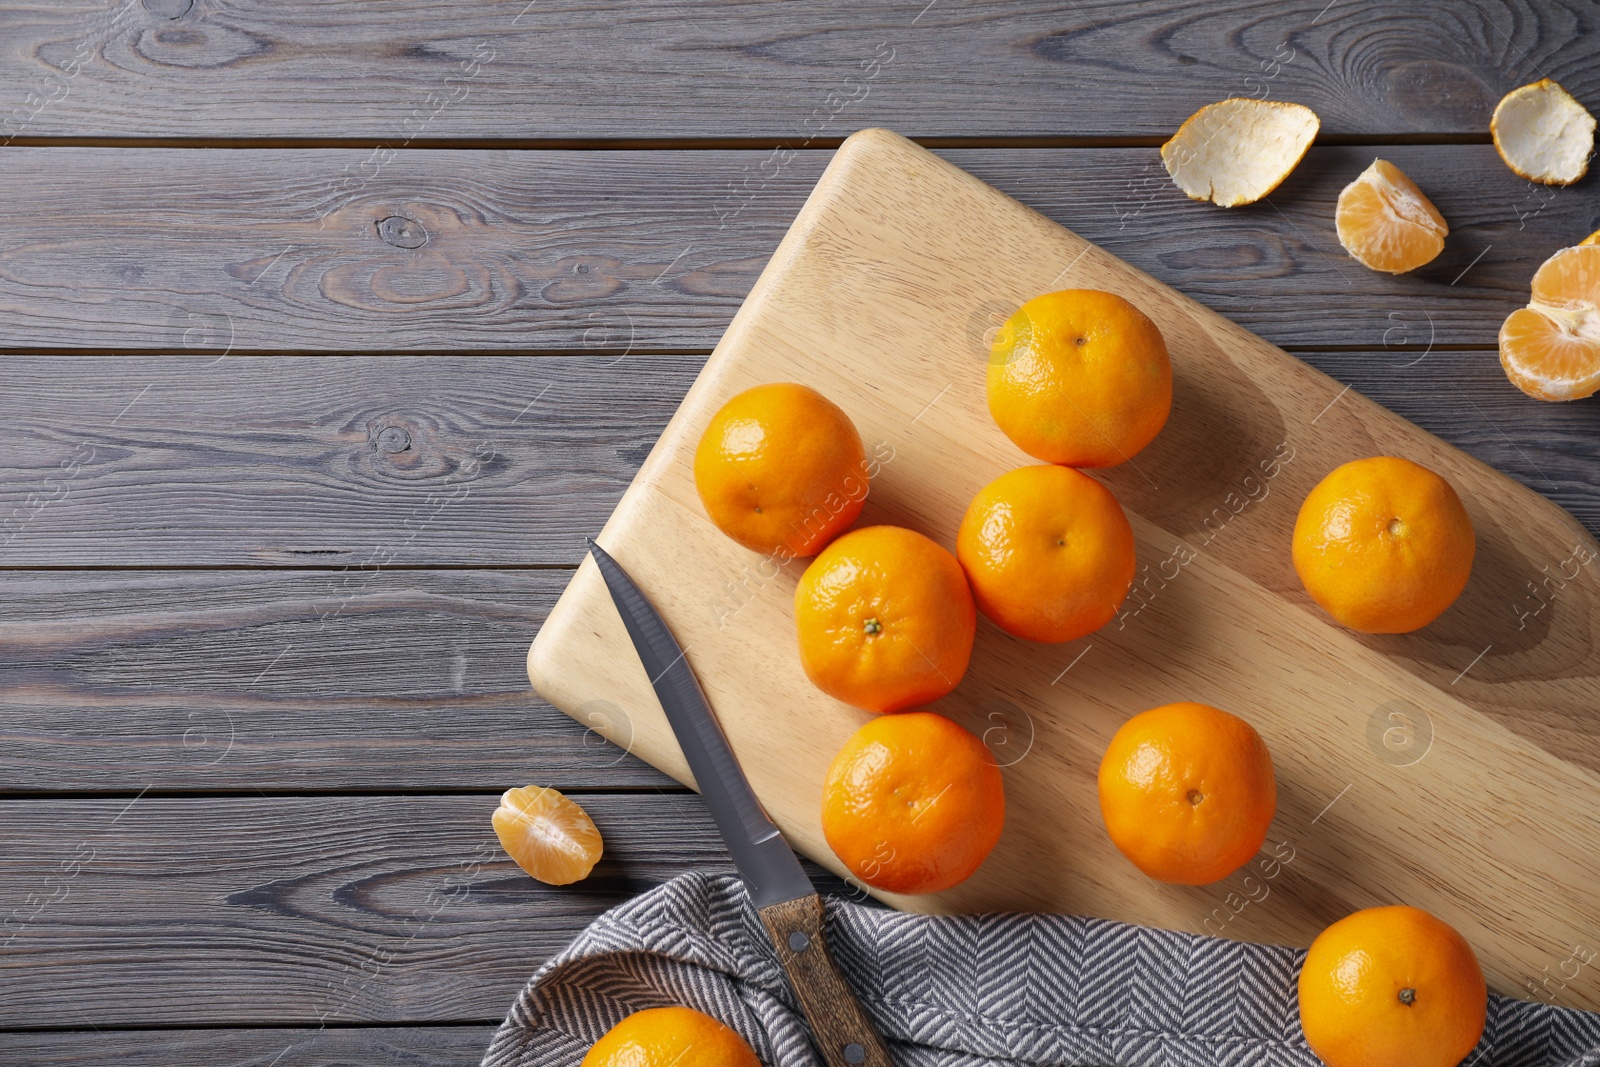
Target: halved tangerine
1551,348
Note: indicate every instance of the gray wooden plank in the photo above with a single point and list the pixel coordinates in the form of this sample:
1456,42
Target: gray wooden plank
733,68
300,911
156,461
413,1046
393,681
273,250
357,463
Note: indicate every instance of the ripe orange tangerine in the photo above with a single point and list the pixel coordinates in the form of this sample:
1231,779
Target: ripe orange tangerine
913,803
670,1037
549,836
1551,348
1187,792
1049,553
1384,545
1080,377
780,469
885,619
1392,987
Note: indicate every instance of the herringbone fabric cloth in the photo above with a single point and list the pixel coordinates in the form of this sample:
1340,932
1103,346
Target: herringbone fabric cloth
968,991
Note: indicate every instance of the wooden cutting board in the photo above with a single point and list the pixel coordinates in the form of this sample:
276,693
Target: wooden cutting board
1454,768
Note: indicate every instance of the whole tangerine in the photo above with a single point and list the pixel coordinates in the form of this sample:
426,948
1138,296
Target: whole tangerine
1080,377
1392,987
1384,545
885,619
913,803
1048,551
780,469
673,1036
1187,792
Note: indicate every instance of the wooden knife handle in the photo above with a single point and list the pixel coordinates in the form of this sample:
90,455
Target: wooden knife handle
839,1026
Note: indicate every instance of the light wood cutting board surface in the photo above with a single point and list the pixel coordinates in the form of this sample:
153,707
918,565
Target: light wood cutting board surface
1457,768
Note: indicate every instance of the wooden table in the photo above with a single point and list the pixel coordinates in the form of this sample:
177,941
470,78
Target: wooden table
332,327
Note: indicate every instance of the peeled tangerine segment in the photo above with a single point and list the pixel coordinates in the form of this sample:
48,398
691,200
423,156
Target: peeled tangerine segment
1551,348
1386,223
1543,133
548,835
1236,151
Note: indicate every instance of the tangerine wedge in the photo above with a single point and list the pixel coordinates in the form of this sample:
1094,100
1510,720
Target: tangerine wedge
548,835
1385,222
1551,348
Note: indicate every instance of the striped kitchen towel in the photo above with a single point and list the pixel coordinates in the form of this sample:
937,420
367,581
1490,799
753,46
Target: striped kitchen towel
964,991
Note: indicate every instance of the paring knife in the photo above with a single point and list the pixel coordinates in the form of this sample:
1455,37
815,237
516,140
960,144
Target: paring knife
784,897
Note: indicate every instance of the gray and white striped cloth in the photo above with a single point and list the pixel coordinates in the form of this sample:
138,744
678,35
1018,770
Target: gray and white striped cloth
964,991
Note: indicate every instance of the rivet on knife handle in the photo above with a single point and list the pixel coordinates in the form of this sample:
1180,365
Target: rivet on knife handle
839,1026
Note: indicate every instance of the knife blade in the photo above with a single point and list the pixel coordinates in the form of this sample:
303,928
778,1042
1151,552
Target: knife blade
786,901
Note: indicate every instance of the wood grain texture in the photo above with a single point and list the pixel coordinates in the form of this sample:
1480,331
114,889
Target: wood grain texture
416,1046
840,1028
395,681
462,68
368,462
345,463
1478,809
301,911
613,252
